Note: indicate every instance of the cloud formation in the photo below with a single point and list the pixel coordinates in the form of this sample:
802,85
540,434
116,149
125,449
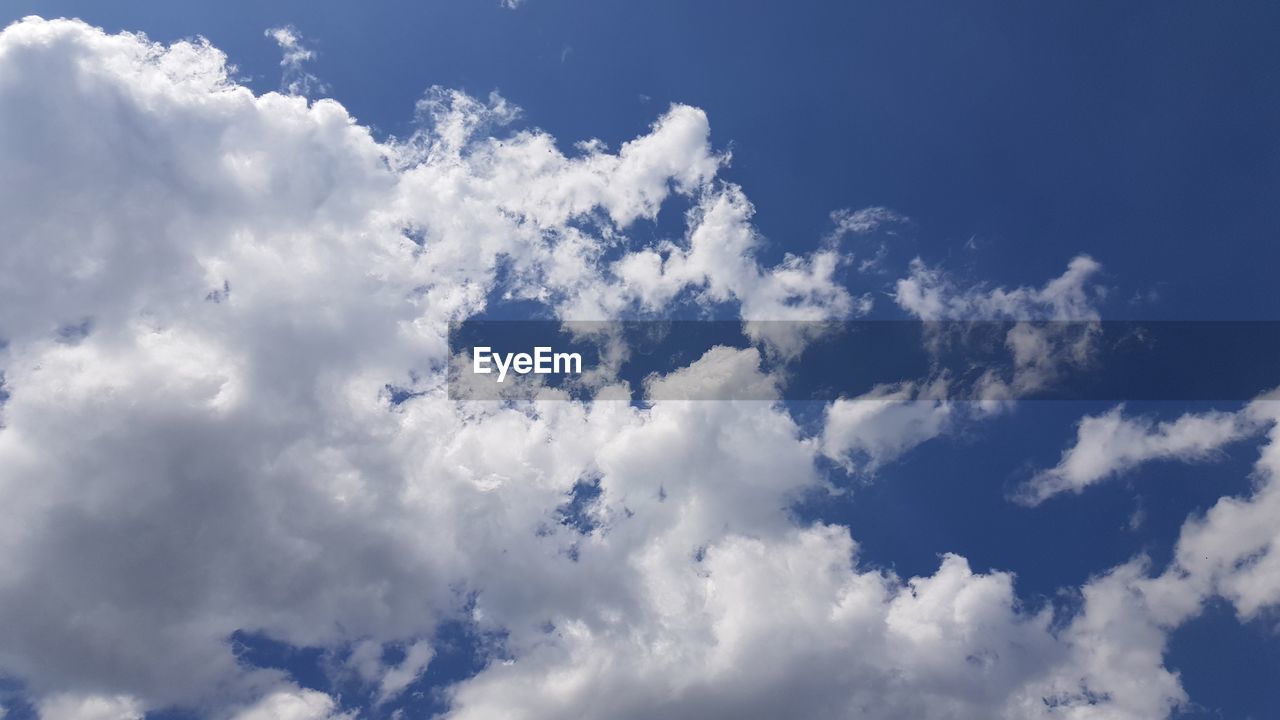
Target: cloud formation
1109,444
224,318
293,79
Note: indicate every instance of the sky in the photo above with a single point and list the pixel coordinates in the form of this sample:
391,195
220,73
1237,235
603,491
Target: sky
234,485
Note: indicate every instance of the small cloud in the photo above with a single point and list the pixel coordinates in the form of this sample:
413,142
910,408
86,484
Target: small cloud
866,220
1110,444
294,80
1138,518
1150,296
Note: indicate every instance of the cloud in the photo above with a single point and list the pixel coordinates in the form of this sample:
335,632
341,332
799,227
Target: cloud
930,294
866,220
1110,444
90,707
1233,549
206,295
720,373
396,679
293,704
216,451
792,627
294,79
865,432
1054,326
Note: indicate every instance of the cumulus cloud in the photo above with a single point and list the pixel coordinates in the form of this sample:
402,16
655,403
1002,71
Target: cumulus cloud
215,450
224,318
841,642
1233,549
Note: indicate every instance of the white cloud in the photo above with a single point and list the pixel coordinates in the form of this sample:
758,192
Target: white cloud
1109,444
721,373
930,294
717,260
866,220
90,707
867,431
293,704
1113,665
217,452
792,627
840,642
1233,550
293,78
396,679
1040,352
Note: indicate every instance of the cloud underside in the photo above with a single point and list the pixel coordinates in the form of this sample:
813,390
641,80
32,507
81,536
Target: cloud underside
206,297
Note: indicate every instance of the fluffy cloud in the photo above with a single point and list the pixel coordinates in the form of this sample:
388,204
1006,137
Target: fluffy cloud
868,431
224,318
1232,550
293,704
206,294
720,373
786,627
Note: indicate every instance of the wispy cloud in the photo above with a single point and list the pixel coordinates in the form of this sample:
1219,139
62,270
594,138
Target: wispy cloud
294,79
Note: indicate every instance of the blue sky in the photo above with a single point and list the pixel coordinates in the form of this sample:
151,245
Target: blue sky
1014,136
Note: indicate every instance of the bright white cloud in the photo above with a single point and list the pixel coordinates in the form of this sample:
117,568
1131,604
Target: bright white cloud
217,452
215,449
836,636
1233,550
1109,444
870,430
